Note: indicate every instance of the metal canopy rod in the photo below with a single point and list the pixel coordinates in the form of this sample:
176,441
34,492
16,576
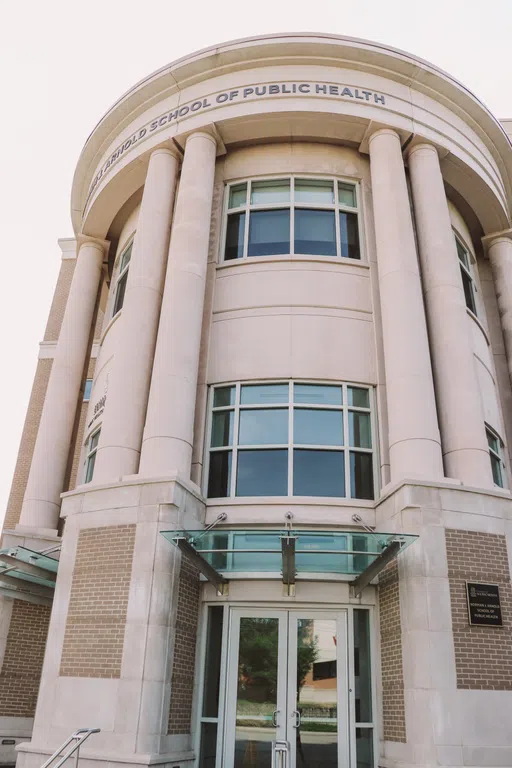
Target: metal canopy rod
375,568
23,585
200,563
13,563
288,555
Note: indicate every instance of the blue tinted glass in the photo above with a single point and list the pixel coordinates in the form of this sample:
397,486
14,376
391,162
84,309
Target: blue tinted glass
235,232
256,561
318,473
315,426
87,390
222,428
264,394
359,429
262,473
349,236
317,394
269,233
262,426
315,232
361,475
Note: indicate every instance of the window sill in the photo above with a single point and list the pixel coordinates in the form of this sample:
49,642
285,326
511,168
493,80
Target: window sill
319,501
292,259
109,325
479,324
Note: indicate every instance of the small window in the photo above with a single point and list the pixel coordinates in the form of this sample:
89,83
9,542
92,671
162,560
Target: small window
496,454
468,282
291,439
301,216
92,448
122,279
87,390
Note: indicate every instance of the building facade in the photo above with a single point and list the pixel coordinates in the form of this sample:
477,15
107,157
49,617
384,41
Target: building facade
261,509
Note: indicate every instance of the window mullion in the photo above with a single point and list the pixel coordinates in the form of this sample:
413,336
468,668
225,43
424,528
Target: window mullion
346,456
234,456
290,439
247,216
292,216
337,221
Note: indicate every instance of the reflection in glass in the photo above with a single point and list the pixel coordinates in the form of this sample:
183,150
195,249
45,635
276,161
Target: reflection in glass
223,396
362,668
263,426
262,473
361,475
235,233
274,191
222,428
208,752
358,397
349,236
316,685
313,426
360,433
318,473
219,477
347,194
212,661
264,394
269,233
238,195
364,747
314,191
317,394
315,232
256,692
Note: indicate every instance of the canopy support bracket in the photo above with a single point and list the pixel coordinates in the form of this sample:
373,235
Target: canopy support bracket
214,577
386,556
288,561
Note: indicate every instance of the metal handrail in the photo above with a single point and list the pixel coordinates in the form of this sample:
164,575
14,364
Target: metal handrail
79,736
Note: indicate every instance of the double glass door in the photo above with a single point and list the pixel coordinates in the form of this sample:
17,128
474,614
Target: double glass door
287,690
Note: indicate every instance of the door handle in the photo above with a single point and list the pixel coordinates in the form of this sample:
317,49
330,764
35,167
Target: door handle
280,754
274,717
296,713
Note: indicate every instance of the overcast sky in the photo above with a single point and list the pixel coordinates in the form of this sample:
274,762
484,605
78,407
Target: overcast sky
63,63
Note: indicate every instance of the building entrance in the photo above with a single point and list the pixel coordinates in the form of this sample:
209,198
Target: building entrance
287,703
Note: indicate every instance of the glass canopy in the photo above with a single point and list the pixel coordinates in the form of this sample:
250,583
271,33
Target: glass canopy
237,551
28,575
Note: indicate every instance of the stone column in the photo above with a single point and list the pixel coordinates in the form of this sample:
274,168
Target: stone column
461,416
45,483
414,442
125,410
500,256
168,433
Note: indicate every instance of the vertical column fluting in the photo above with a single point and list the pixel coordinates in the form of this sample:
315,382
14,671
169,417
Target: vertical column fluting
414,441
461,417
45,484
168,433
125,411
500,256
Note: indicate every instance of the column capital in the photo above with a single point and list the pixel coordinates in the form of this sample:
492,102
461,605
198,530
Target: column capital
375,128
504,236
168,149
83,240
209,131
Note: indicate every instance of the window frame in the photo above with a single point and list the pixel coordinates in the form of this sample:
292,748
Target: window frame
122,275
499,455
291,205
87,390
468,270
346,448
90,455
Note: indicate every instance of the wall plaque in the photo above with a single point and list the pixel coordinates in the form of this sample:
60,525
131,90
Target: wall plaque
484,605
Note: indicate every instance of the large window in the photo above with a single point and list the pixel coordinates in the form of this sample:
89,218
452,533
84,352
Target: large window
90,459
468,281
302,216
122,279
291,439
496,453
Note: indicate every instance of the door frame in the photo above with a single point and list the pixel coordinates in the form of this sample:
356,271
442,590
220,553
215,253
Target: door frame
227,642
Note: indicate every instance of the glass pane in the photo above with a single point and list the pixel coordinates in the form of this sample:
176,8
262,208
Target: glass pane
222,428
208,751
262,473
462,253
263,426
318,473
497,475
317,394
492,441
315,232
358,397
120,291
362,667
212,661
223,396
314,426
125,258
94,440
269,233
316,685
359,427
219,478
349,236
235,233
361,475
276,191
469,293
347,194
87,390
257,692
238,195
264,394
314,191
90,468
364,747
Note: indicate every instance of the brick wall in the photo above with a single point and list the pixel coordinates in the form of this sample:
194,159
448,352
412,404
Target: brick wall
94,637
59,301
393,705
183,667
23,660
27,442
483,655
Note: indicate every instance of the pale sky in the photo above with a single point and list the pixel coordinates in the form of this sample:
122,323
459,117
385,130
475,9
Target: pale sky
63,63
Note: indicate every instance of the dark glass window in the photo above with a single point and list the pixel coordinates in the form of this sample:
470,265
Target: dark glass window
315,232
318,473
235,234
349,236
269,233
262,473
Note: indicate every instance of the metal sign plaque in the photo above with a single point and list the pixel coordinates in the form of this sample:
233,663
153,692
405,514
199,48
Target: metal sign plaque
484,605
